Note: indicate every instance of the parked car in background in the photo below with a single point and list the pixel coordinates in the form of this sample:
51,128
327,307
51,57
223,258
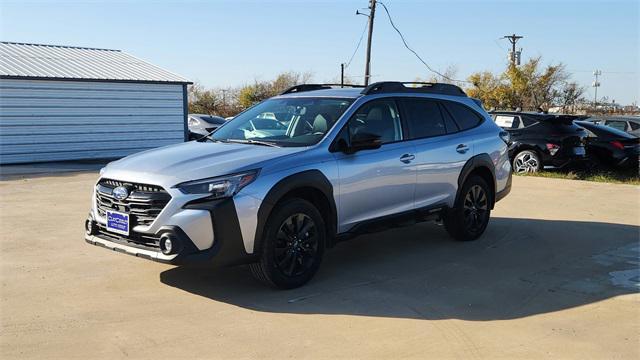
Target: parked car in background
610,146
629,124
201,125
539,140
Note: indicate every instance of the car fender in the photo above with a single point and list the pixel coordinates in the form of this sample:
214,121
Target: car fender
478,161
304,179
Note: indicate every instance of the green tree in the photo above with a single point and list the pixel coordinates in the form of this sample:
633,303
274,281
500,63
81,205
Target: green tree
261,90
202,101
527,87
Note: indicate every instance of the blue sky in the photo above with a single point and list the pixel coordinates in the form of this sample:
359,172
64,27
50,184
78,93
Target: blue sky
230,43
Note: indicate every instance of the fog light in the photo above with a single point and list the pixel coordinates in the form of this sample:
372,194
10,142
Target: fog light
168,244
89,227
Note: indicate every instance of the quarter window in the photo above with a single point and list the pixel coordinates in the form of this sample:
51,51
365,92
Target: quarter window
528,122
463,116
423,118
506,121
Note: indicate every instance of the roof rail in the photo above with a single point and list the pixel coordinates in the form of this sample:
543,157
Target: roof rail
312,87
414,87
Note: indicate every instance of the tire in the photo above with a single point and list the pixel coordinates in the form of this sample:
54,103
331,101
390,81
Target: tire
526,161
292,247
470,215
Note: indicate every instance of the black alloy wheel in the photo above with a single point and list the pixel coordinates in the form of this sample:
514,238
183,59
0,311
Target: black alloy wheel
296,245
476,205
469,217
292,245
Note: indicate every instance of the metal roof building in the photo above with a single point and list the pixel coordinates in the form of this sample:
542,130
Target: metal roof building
69,103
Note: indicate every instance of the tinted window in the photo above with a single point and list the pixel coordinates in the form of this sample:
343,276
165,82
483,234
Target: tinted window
620,125
463,116
528,121
451,125
423,117
213,120
605,131
634,126
378,117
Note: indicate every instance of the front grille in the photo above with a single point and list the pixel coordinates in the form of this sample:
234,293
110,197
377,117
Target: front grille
143,204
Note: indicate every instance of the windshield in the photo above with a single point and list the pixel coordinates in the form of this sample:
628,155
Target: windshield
213,120
285,122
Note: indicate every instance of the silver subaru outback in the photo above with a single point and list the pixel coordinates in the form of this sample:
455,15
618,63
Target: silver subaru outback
297,173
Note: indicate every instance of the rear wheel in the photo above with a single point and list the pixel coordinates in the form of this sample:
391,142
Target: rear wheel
470,215
293,245
526,161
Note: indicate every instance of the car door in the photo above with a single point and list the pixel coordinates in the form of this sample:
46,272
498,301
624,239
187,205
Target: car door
441,150
377,182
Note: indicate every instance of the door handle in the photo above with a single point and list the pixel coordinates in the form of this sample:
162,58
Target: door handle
407,158
462,148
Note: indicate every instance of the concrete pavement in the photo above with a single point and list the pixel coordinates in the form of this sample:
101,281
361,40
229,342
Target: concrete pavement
555,276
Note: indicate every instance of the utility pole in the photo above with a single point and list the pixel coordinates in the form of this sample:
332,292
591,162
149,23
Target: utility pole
514,56
224,97
596,85
367,69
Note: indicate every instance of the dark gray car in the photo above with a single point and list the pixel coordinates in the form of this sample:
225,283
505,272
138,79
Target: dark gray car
202,124
629,124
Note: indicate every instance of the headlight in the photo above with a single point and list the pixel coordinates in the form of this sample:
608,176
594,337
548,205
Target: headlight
193,122
102,170
219,187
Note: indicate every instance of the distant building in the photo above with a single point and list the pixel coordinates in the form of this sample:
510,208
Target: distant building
70,103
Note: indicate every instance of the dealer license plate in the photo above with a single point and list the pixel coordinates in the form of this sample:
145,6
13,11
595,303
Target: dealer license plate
118,222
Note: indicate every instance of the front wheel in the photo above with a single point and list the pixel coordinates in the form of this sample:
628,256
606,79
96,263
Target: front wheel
293,245
470,215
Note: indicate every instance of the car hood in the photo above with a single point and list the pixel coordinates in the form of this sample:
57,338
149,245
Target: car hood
192,160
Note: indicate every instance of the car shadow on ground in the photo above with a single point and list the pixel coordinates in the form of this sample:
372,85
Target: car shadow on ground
520,267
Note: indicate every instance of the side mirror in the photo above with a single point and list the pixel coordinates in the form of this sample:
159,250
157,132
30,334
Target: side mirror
364,141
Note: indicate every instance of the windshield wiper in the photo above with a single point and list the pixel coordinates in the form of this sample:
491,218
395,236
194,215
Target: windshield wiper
251,141
208,137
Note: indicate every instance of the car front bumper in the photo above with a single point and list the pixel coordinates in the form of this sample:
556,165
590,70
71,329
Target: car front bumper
227,247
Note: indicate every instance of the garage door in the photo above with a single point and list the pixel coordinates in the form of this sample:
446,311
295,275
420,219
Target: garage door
69,120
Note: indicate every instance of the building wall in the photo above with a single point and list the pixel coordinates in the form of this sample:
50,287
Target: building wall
44,120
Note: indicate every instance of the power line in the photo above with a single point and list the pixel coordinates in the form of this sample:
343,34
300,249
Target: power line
364,29
413,51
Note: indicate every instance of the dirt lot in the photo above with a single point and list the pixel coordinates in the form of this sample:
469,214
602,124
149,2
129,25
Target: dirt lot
555,276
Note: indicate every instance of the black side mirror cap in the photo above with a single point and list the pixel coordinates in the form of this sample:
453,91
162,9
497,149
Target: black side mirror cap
364,141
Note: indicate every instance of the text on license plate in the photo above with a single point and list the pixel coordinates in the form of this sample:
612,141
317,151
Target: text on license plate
118,222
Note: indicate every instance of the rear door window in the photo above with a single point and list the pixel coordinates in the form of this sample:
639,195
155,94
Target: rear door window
423,118
462,115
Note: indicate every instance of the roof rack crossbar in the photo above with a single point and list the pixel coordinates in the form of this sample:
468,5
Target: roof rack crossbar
312,87
413,87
